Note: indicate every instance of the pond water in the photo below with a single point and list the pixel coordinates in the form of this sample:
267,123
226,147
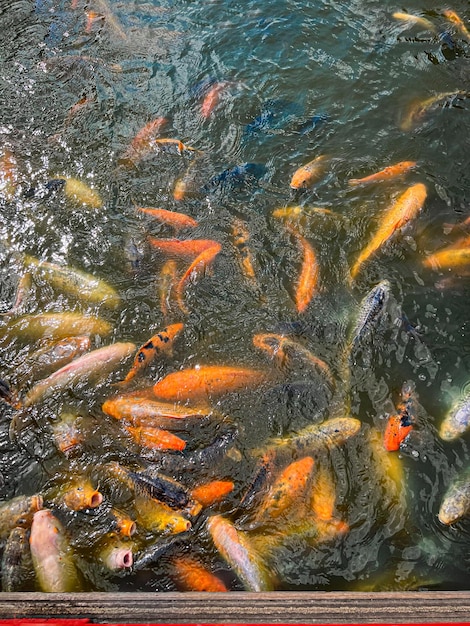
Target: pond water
290,81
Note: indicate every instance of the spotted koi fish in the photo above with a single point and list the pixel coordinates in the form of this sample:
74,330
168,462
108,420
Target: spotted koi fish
161,343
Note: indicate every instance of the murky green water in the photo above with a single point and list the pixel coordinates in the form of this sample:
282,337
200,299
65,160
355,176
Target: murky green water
325,78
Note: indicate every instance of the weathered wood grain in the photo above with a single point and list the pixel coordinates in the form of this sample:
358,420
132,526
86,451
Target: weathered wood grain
237,607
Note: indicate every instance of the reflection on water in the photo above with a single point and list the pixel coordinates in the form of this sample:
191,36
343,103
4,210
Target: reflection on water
90,93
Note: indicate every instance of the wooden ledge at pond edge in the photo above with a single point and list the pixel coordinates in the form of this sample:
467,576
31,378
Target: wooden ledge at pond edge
243,608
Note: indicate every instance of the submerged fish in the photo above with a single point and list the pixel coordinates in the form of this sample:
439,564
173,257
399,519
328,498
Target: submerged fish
181,248
155,438
52,556
51,357
18,511
455,19
330,433
405,208
237,176
306,175
142,410
16,565
390,172
23,290
274,115
419,109
456,501
167,282
401,424
314,122
77,191
141,144
450,257
207,381
287,493
75,282
8,174
56,326
211,99
192,575
414,20
279,347
91,366
241,236
198,266
307,282
457,420
371,312
234,546
67,432
172,218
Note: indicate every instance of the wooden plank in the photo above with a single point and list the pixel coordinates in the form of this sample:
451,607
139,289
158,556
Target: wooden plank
237,607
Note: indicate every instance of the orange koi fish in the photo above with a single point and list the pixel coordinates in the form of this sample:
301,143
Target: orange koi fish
452,256
198,266
393,171
144,411
193,576
91,18
77,107
161,343
400,425
211,99
414,19
172,218
23,290
206,381
402,211
323,495
277,346
309,274
167,280
167,144
418,109
455,19
397,429
181,248
124,525
156,438
210,493
141,145
8,174
287,491
308,174
241,236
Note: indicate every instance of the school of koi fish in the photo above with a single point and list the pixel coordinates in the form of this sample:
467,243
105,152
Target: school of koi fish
143,457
